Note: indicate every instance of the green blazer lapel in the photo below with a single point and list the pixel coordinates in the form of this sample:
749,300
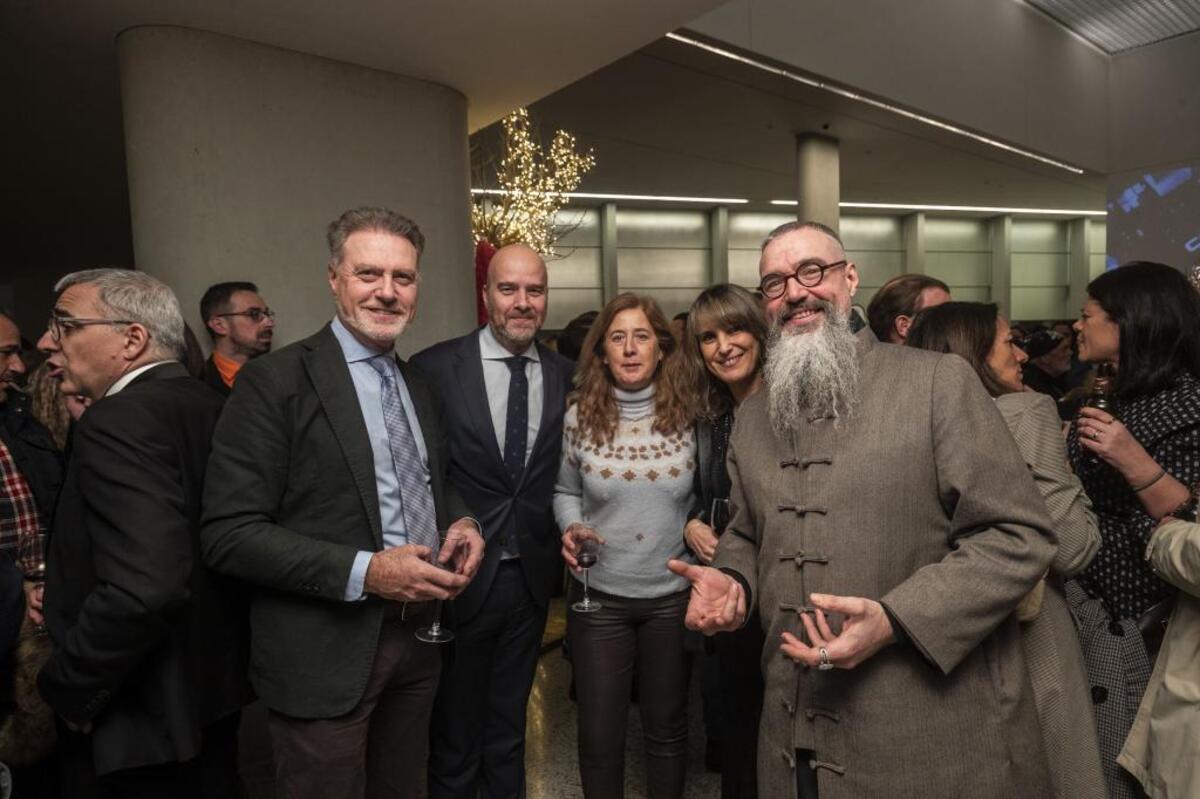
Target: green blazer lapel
330,376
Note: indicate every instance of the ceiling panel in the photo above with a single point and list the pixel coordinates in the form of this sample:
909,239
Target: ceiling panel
1118,25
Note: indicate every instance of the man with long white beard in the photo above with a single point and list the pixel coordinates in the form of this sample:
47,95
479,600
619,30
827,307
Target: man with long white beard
886,527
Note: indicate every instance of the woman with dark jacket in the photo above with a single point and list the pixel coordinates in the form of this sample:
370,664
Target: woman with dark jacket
976,332
724,347
1138,465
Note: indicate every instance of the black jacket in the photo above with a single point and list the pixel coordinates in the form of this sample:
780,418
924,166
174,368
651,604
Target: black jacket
149,645
34,452
504,509
212,376
290,500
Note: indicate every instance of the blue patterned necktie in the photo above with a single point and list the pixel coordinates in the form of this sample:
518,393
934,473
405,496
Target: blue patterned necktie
416,498
516,425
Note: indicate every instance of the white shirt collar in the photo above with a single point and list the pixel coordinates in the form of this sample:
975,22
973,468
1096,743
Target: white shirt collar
490,348
128,377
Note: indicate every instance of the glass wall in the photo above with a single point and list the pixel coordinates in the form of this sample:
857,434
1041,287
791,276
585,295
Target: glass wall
668,254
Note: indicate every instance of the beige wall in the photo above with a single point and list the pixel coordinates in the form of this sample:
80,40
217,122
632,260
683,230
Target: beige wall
240,154
998,67
1154,109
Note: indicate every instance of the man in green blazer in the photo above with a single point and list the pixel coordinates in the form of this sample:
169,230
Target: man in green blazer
326,491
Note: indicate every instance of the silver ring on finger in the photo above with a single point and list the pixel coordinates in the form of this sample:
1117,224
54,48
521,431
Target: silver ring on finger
826,664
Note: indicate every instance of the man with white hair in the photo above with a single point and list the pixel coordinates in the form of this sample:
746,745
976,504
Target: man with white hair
148,670
886,528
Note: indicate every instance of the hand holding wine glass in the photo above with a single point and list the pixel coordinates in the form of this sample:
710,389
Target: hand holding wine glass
443,558
572,539
587,555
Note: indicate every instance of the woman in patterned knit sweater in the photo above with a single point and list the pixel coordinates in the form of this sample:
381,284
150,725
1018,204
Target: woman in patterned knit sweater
628,460
1145,319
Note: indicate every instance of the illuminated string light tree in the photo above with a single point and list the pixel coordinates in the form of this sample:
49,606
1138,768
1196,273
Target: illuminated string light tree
533,185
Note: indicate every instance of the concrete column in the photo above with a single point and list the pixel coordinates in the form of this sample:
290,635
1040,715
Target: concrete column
913,231
818,179
1079,264
240,154
608,250
1001,289
718,229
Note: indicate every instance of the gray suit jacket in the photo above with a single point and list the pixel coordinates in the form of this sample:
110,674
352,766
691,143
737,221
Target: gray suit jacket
1061,691
919,500
289,500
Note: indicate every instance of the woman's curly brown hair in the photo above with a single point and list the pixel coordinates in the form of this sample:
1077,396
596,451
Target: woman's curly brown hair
594,384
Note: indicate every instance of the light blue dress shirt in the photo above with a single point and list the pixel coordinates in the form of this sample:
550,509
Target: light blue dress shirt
387,484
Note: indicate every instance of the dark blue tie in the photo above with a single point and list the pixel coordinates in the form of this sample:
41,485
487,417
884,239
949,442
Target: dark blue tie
516,425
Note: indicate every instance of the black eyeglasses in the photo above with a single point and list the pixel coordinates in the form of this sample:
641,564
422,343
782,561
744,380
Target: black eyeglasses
253,314
808,274
58,324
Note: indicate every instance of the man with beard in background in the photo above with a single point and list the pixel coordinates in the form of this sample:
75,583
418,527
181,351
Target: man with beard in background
241,327
887,528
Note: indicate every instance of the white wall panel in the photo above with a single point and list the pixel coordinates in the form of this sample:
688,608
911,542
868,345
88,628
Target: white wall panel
650,268
566,304
638,228
957,235
1039,303
1039,235
578,268
582,227
960,269
1039,269
872,233
876,268
748,229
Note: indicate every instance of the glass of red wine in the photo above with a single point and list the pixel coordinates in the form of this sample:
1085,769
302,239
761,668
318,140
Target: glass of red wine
587,556
435,633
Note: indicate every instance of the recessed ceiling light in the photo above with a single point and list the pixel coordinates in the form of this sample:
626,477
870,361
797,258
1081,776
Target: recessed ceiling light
850,95
985,209
636,197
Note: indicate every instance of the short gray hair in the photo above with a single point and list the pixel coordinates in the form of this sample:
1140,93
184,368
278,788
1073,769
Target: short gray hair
136,296
791,227
383,220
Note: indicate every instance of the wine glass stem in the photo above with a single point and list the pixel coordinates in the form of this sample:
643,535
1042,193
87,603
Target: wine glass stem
586,599
437,617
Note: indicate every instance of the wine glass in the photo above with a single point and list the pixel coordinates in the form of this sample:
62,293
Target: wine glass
718,517
587,557
434,634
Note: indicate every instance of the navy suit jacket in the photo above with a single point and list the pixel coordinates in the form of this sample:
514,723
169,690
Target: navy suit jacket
504,508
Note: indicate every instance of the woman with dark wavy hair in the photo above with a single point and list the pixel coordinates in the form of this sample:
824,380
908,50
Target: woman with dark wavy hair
976,332
625,483
1138,465
724,346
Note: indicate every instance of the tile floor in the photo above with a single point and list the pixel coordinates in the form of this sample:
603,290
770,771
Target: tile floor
551,760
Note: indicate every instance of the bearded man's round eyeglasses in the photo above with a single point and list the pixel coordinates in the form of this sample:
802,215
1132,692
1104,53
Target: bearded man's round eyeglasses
808,274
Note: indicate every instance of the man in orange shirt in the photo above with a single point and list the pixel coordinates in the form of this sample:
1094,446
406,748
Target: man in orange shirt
241,327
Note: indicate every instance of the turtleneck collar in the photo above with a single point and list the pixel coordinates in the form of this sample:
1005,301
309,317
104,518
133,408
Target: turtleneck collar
635,404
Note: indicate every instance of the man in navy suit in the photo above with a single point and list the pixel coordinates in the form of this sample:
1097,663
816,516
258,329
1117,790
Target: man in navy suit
505,396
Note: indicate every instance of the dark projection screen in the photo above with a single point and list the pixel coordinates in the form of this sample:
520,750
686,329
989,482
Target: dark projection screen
1155,216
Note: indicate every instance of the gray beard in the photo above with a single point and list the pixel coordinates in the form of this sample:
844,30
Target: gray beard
813,374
